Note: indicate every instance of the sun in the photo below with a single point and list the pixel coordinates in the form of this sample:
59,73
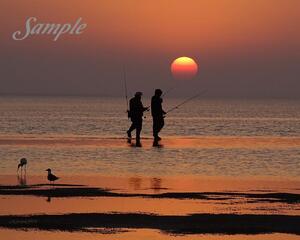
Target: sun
184,68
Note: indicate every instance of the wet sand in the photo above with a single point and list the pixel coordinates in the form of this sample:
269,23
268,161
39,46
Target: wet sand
185,206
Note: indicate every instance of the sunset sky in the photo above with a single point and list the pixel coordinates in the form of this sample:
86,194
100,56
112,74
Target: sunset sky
244,48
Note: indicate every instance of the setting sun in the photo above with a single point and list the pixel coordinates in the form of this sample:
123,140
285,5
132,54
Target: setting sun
184,68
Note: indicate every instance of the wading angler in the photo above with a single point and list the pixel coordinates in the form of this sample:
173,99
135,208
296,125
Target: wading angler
56,29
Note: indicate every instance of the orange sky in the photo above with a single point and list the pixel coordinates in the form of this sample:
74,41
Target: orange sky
169,25
214,29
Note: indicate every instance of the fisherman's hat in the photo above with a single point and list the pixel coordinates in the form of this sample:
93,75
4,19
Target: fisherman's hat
138,94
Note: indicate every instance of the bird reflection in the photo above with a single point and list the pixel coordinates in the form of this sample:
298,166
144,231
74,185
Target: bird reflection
22,179
135,183
156,184
48,199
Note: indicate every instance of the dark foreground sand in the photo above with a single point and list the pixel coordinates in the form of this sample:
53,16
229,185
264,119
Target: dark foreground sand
200,223
68,190
191,224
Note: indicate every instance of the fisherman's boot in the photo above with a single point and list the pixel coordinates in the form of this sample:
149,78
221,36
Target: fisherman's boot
128,136
155,143
138,142
156,137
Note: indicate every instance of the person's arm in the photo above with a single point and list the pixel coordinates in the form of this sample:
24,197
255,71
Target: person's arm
163,112
143,108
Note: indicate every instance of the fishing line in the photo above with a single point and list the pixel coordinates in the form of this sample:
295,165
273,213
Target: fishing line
186,101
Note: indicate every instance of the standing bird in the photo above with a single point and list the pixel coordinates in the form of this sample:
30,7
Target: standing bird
51,177
23,163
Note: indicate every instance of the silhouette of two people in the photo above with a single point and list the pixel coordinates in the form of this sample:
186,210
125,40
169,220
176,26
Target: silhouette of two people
158,115
136,111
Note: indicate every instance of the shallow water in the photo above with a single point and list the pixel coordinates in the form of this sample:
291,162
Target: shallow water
97,128
154,162
107,117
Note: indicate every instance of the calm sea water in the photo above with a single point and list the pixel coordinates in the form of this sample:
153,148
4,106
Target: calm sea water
39,117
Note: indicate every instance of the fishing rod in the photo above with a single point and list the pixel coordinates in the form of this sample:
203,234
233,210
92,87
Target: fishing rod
126,92
169,90
186,101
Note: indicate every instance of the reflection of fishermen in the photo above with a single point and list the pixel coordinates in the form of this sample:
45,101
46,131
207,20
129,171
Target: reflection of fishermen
136,110
157,115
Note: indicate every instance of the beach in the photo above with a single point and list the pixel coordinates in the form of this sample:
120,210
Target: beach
161,206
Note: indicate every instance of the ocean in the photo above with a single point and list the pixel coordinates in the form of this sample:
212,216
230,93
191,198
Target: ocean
205,137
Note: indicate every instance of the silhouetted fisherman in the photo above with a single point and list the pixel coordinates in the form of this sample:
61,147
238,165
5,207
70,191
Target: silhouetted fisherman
157,115
136,110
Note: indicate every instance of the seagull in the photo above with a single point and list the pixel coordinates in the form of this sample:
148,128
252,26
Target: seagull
23,162
51,177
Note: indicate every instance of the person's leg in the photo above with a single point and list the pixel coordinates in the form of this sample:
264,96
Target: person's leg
161,125
158,124
155,128
139,125
155,132
132,127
